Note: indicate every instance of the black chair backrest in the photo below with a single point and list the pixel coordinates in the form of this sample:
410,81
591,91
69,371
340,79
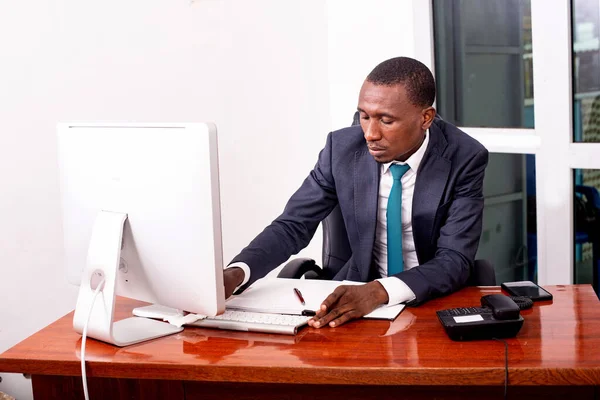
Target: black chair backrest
483,274
336,247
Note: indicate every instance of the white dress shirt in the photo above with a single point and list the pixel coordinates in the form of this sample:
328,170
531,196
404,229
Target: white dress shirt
397,290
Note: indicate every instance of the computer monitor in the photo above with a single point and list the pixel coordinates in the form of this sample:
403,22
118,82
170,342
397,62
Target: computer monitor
141,209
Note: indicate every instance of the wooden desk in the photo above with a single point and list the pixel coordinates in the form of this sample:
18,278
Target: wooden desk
556,354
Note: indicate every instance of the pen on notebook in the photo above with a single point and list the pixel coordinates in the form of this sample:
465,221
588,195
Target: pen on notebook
299,296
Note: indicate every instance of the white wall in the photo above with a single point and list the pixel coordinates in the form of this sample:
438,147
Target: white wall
34,289
275,76
361,34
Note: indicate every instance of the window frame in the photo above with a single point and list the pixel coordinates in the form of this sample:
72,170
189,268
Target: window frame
552,138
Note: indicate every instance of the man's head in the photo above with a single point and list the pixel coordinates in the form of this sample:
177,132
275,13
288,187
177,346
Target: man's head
395,106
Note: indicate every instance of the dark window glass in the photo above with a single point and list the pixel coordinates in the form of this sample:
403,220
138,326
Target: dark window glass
509,239
586,70
483,62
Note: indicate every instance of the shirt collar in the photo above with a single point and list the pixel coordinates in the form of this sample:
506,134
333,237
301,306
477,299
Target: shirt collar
413,161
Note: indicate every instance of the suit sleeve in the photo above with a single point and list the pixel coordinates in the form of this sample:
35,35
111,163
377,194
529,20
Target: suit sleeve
294,228
459,237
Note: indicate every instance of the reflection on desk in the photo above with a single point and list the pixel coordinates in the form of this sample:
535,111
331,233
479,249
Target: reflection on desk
558,345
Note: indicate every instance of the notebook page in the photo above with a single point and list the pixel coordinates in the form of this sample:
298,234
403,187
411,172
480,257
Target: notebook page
277,296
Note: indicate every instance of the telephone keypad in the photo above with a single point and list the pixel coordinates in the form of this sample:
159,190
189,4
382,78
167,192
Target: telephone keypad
455,312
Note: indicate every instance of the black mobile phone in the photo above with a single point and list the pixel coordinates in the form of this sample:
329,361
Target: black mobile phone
527,289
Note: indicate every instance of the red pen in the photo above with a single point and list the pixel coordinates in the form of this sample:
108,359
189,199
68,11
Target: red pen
299,296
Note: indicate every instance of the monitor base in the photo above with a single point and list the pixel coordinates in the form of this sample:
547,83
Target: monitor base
103,259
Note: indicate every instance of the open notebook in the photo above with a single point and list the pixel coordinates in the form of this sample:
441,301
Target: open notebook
269,305
277,296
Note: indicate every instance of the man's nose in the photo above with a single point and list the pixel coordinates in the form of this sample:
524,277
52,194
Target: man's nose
371,132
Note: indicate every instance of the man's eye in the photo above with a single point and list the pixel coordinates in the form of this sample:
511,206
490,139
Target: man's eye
386,121
364,117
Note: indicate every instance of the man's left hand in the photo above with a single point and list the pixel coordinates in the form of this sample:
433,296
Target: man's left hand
348,302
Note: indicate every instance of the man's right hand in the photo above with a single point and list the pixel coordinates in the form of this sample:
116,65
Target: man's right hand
232,278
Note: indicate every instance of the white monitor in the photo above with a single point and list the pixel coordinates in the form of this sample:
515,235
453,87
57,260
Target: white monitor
141,209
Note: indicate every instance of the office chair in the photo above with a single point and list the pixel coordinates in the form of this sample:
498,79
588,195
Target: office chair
586,206
587,225
336,251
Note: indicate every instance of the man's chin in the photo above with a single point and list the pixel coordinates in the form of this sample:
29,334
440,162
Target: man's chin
380,156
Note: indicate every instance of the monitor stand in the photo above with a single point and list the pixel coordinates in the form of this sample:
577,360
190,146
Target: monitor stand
103,259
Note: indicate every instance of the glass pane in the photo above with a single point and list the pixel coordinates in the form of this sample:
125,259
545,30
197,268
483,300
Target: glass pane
483,62
508,239
586,70
586,219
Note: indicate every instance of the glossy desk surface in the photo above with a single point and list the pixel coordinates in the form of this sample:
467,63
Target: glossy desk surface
559,344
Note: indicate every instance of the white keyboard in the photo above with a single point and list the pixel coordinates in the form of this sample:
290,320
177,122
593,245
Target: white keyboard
254,322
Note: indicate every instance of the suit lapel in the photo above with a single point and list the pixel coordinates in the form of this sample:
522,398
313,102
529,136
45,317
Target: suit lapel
366,190
432,178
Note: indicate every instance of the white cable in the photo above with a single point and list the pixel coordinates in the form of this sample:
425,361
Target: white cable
83,376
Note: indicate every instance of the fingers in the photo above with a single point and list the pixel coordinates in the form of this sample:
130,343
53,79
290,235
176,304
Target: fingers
327,304
349,302
335,317
345,317
338,308
331,300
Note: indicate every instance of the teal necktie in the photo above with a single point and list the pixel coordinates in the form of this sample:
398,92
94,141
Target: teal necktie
394,221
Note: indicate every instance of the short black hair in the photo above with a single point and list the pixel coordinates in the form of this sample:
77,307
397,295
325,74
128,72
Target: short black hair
414,75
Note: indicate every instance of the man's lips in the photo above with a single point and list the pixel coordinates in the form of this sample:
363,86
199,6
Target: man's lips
374,150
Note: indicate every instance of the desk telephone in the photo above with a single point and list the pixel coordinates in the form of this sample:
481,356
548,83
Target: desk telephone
498,317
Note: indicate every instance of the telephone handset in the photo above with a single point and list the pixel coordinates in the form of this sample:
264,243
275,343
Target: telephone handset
498,317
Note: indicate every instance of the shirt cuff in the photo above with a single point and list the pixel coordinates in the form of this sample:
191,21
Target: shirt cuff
398,291
244,268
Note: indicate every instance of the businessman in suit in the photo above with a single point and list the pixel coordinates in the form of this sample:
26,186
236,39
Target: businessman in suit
409,186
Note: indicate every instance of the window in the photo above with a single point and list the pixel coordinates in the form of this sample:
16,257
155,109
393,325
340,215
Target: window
483,62
483,65
586,71
508,238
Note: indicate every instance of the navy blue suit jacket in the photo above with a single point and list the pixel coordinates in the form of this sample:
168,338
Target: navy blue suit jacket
446,215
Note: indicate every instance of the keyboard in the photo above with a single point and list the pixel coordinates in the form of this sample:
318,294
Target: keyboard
254,322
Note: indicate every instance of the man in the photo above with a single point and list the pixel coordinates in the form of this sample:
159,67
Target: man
409,186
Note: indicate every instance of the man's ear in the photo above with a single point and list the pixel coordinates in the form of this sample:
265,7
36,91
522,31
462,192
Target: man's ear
428,116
